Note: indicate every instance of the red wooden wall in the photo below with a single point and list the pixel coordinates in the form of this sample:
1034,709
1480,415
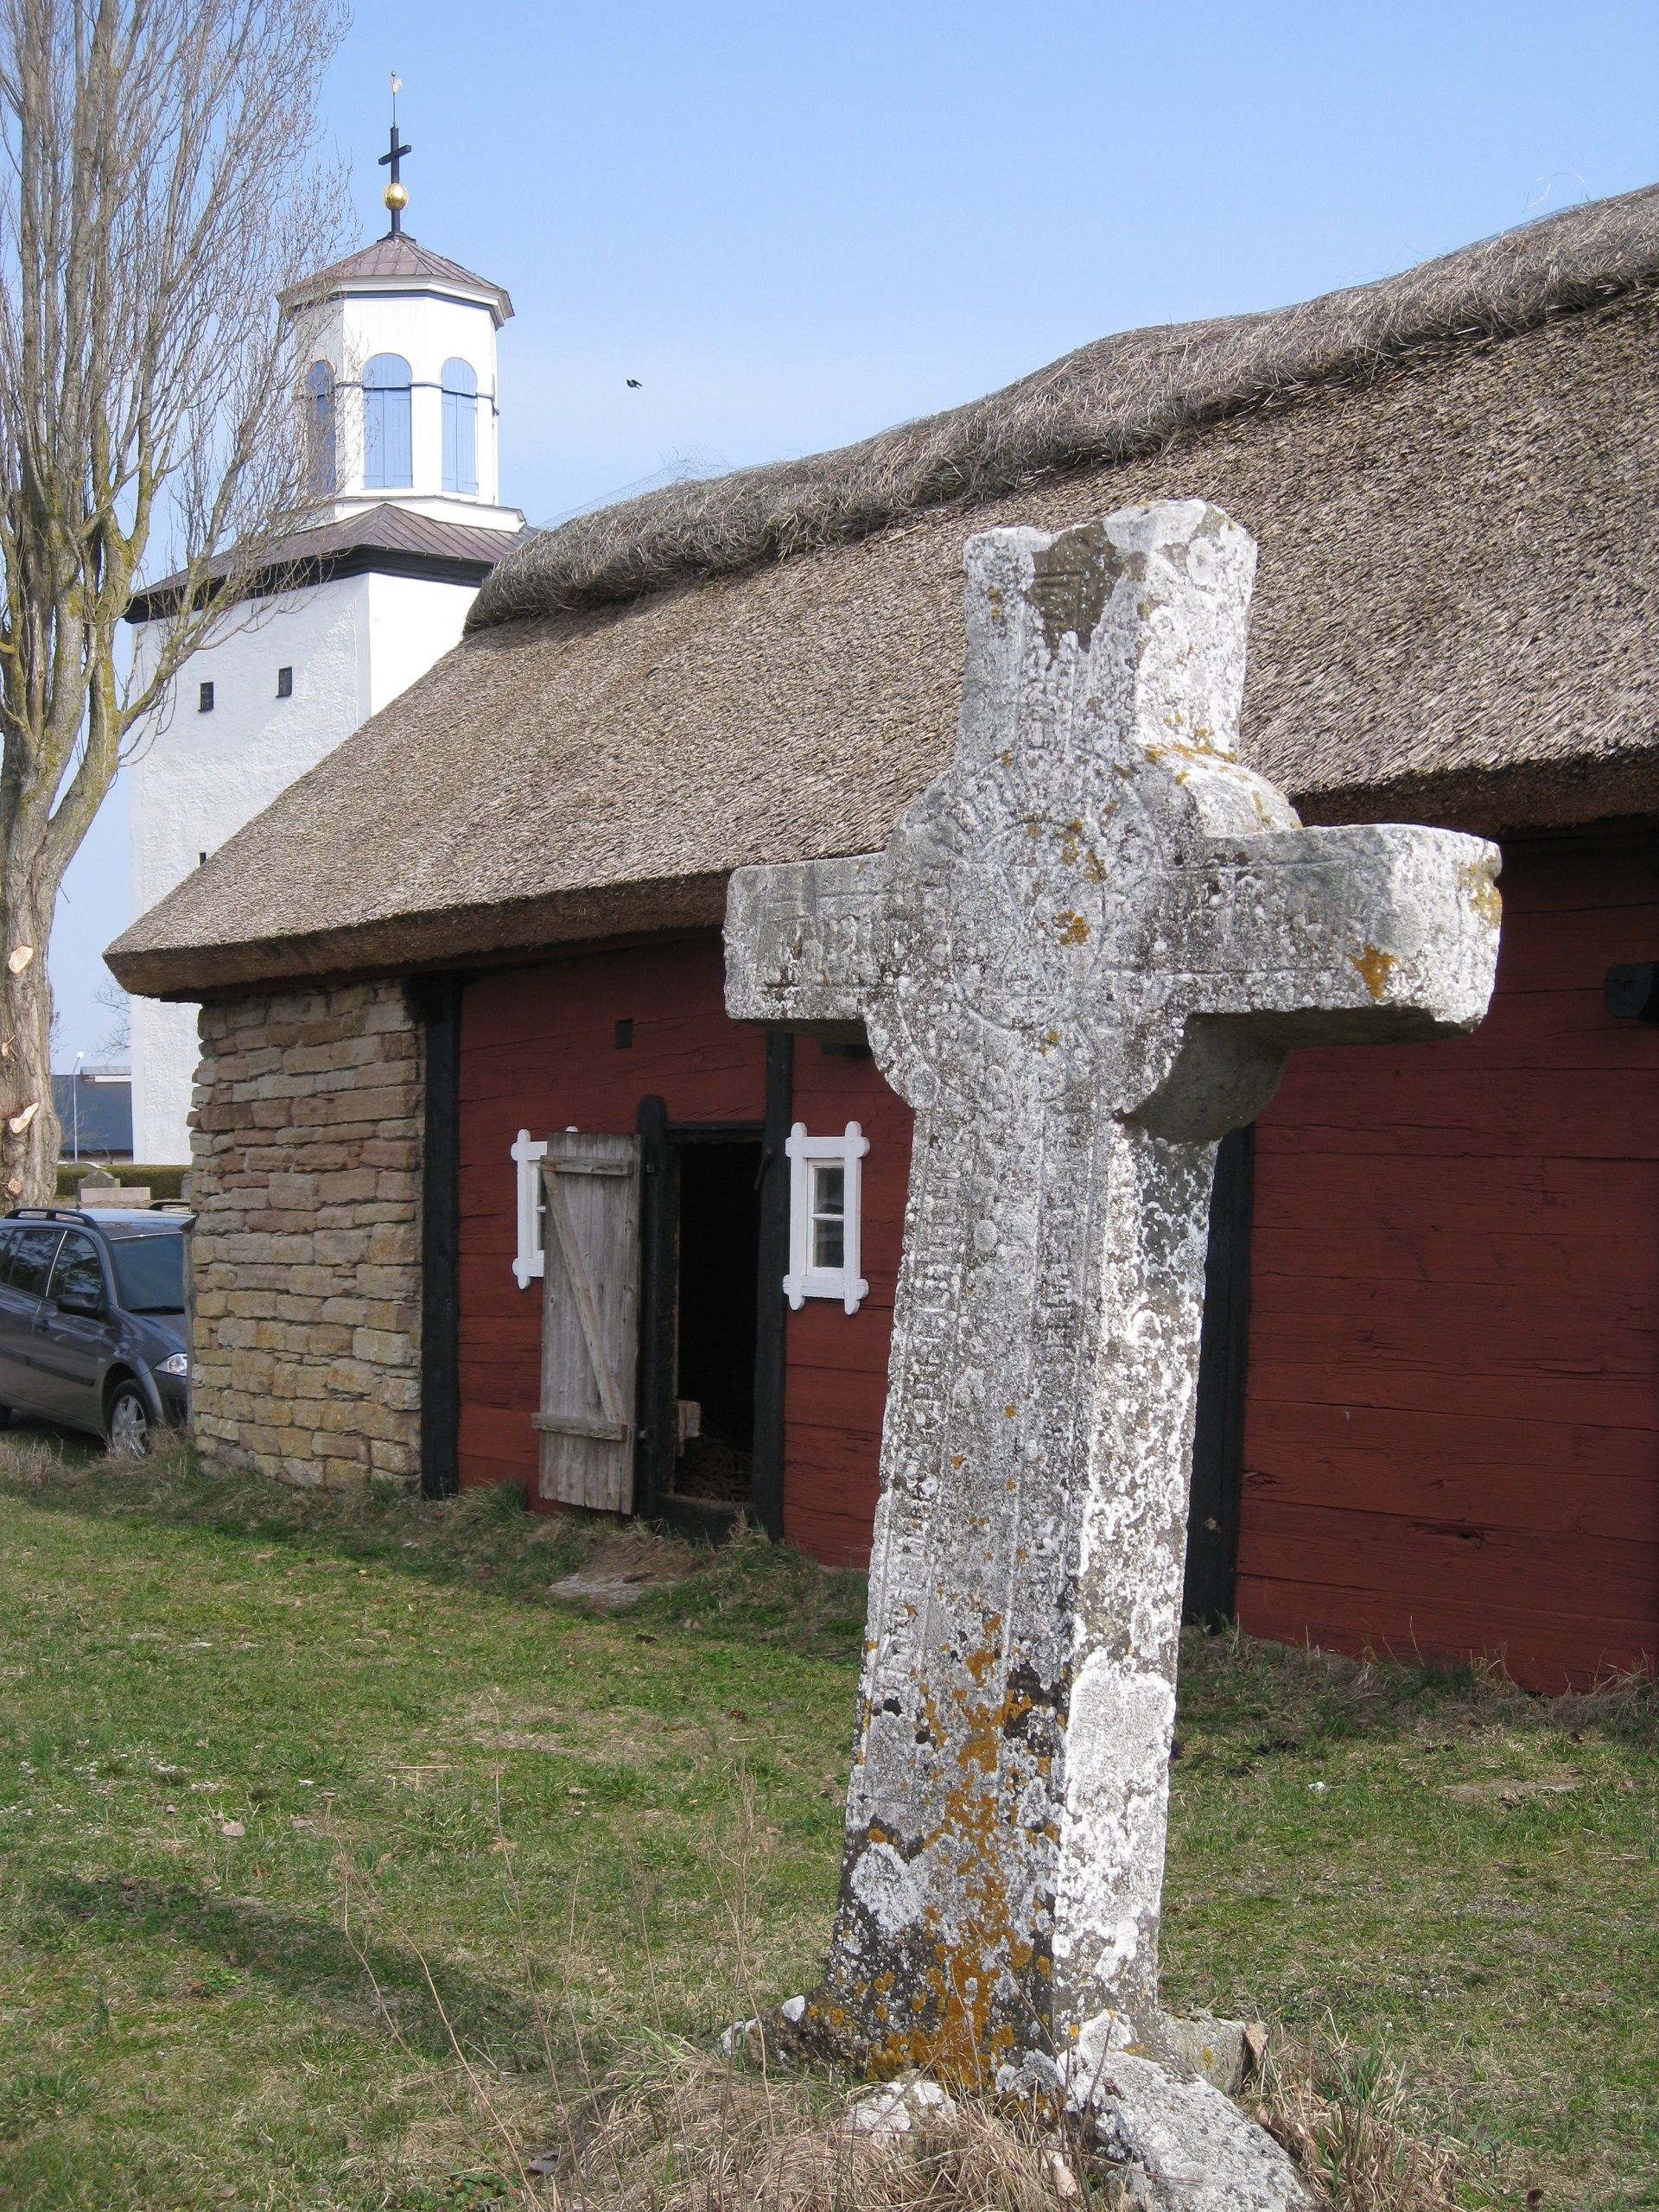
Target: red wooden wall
835,1383
1452,1435
538,1051
1452,1432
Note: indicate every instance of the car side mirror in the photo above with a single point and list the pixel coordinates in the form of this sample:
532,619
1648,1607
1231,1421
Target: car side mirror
85,1302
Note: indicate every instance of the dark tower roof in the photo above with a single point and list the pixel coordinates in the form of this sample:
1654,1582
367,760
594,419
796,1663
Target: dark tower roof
398,264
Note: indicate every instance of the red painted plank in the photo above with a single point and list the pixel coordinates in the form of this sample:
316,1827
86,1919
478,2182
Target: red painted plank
1455,1307
836,1374
1541,1651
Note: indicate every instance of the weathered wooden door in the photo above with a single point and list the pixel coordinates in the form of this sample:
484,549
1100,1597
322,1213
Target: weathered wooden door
590,1306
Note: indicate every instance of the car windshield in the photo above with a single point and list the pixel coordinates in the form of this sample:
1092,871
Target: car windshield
149,1273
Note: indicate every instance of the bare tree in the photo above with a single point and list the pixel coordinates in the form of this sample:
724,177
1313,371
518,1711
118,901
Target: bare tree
160,182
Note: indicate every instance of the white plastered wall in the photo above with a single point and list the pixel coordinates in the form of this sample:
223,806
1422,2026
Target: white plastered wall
353,645
427,331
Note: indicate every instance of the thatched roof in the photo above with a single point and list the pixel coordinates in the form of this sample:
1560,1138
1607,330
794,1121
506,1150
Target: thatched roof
1454,477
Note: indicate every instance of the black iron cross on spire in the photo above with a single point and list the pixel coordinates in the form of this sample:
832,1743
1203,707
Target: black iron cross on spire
396,197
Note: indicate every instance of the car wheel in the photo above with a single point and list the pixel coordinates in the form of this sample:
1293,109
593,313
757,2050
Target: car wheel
129,1421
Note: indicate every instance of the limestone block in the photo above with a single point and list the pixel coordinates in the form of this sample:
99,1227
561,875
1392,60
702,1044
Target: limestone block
384,1347
352,1378
392,1316
346,1248
399,1153
345,1186
327,1339
394,1245
1182,2146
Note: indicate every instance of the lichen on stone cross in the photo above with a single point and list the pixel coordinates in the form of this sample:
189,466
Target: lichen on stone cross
1083,956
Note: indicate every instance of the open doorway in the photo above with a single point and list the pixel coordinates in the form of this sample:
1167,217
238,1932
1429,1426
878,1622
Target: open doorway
714,1245
718,1273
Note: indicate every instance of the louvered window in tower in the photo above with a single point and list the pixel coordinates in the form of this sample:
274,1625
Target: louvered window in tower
388,446
460,428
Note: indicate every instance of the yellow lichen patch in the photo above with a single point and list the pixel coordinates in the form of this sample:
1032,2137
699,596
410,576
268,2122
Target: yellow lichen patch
1072,928
1375,966
1475,879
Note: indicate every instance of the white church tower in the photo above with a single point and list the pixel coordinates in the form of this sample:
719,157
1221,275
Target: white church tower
400,402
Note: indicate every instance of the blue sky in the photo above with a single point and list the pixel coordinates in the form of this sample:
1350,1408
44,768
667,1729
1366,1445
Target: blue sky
795,224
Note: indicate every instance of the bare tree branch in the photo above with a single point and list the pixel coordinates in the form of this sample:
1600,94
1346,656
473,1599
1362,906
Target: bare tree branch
159,184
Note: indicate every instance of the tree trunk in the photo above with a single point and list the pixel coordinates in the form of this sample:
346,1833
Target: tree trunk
29,1155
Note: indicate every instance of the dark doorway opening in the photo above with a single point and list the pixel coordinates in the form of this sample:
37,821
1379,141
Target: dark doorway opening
1224,1358
719,1257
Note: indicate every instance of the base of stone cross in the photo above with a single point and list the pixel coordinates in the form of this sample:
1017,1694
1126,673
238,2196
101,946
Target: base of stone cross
1157,2113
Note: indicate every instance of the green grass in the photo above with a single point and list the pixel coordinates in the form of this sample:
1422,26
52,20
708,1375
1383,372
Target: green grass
189,2017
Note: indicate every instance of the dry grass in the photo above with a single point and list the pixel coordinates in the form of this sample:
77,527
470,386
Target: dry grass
1342,2114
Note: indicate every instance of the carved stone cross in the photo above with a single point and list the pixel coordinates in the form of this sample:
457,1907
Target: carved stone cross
1083,958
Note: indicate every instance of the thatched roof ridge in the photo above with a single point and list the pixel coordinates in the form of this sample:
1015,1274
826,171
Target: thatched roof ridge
1121,398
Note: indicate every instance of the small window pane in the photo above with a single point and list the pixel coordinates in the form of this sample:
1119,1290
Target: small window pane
284,683
205,700
388,449
31,1260
79,1269
460,428
829,1215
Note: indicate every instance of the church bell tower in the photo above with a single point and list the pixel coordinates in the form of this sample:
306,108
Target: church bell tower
396,347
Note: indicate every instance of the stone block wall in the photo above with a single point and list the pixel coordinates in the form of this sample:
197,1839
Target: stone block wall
306,1176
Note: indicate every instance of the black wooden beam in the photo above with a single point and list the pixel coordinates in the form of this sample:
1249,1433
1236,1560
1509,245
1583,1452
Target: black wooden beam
772,1312
435,1002
1224,1358
656,1443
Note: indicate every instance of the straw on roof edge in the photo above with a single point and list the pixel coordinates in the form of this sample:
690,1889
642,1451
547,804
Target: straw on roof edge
1120,397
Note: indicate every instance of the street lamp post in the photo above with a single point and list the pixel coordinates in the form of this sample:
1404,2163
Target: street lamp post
75,1102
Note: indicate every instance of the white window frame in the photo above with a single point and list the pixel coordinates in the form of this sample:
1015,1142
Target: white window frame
803,1280
528,1154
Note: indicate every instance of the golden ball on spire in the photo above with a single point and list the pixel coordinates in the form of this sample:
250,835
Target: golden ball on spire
396,197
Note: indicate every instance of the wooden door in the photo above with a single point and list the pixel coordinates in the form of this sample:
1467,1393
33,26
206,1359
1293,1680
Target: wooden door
590,1331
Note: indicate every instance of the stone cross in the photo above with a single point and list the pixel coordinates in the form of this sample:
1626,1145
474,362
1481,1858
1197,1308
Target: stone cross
1082,958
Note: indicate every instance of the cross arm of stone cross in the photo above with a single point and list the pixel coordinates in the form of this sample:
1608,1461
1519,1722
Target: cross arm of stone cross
1084,955
1097,868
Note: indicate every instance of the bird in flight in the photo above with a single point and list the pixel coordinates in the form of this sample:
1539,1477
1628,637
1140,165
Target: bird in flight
633,384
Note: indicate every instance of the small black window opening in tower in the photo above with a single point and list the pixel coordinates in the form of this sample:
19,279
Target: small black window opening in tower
205,700
201,860
284,683
625,1036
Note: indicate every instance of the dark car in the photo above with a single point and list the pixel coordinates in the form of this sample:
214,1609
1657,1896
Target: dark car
92,1330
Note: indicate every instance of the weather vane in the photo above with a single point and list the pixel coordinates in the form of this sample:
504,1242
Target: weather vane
395,196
